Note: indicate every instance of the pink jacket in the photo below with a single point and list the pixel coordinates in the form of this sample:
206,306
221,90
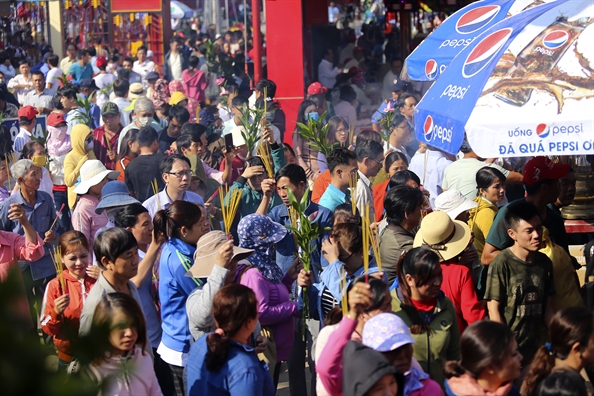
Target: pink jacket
328,355
194,84
16,247
274,308
84,218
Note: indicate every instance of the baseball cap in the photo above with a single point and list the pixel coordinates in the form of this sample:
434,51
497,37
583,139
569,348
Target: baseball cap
27,111
453,203
88,83
101,61
152,75
398,85
542,168
386,332
316,88
55,118
110,108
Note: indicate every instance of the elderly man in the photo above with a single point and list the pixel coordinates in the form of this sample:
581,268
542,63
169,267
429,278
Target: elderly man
40,97
105,138
143,115
40,212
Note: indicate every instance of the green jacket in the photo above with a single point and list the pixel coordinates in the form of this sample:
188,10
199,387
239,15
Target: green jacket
433,350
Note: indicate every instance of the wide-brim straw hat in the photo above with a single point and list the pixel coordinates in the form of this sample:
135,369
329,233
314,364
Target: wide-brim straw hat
92,173
446,237
206,250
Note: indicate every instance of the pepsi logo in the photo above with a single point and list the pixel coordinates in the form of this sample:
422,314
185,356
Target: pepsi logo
555,39
428,128
485,52
542,131
431,69
476,19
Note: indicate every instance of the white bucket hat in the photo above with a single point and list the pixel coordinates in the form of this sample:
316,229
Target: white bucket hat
92,173
453,203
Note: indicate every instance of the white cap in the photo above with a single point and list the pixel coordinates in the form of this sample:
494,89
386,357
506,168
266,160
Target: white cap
238,139
453,203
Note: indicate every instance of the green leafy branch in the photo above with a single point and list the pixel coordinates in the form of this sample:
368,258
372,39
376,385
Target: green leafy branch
83,115
251,119
315,133
305,232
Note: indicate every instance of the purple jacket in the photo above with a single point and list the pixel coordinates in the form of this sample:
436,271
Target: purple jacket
274,308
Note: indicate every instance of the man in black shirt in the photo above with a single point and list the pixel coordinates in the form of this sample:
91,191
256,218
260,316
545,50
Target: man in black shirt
144,169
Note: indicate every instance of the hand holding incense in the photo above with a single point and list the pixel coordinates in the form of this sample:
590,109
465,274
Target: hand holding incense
56,256
353,178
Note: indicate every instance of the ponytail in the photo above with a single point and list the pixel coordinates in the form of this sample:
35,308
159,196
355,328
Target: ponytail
453,368
542,365
163,224
178,214
232,307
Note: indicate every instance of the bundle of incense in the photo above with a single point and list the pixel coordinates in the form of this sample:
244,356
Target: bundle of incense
353,178
264,154
293,217
373,240
229,207
56,255
366,230
57,217
343,291
155,187
107,143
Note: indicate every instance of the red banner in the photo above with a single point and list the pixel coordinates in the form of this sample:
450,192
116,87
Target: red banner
136,5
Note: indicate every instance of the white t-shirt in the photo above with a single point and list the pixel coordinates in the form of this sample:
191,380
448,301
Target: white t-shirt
102,80
461,175
143,70
53,77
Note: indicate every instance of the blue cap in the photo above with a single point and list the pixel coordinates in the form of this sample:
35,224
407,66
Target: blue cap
386,332
206,117
88,83
113,194
152,75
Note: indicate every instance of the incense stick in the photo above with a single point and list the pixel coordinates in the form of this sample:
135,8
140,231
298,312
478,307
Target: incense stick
351,134
293,217
264,154
56,256
229,206
213,196
353,178
366,230
343,291
107,142
57,217
373,241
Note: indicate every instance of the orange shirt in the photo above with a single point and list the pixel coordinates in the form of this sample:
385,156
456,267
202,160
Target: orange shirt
320,185
379,194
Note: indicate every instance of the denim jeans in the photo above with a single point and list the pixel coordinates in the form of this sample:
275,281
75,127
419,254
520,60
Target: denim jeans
64,219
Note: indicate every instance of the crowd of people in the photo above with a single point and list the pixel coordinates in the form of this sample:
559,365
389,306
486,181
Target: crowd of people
122,240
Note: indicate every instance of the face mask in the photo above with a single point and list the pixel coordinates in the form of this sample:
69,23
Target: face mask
144,121
269,117
39,160
89,145
312,116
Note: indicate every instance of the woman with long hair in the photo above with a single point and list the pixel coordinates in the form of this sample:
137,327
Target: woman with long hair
490,183
430,315
62,307
490,362
395,162
222,362
306,157
338,135
182,223
571,332
129,149
119,332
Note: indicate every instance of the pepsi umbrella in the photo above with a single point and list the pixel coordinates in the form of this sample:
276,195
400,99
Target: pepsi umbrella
430,59
179,10
524,87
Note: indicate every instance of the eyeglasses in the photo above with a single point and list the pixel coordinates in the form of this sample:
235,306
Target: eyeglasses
181,174
376,161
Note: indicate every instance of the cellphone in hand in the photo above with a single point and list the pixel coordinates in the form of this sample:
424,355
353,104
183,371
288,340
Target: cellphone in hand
229,142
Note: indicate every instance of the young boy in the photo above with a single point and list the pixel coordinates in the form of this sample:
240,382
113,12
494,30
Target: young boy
520,281
143,169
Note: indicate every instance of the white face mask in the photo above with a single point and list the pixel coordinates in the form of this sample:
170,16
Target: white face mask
144,121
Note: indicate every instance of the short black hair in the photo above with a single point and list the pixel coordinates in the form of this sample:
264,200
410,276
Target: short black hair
38,73
368,149
127,216
393,157
176,39
317,99
112,243
189,135
142,48
147,136
232,88
53,60
166,163
293,172
255,161
180,114
368,134
340,156
57,100
402,98
92,51
69,91
400,179
121,87
24,121
193,61
397,120
24,62
488,175
399,201
518,211
347,93
269,85
128,59
239,101
532,189
81,54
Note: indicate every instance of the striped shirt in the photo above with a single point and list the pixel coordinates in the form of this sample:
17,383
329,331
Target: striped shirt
100,145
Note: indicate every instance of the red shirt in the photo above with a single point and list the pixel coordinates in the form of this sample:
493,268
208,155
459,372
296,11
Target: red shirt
458,286
100,146
237,167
